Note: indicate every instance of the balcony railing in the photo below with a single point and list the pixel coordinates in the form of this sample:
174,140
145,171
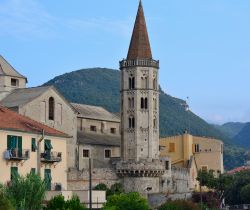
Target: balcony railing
17,154
51,157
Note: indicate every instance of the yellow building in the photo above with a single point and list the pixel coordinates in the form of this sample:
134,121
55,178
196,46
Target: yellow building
20,154
207,153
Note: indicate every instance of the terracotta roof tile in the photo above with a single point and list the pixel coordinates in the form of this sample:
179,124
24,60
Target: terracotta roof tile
242,168
139,45
10,120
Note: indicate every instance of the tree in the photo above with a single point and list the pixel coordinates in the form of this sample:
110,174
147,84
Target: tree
245,193
26,192
130,201
5,202
58,203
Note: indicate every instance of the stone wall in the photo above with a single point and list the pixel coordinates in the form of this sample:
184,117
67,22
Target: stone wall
79,180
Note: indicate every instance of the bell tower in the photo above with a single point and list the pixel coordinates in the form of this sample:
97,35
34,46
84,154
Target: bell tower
139,97
140,166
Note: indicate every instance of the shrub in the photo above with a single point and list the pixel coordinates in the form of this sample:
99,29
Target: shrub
56,203
74,204
130,201
101,186
179,205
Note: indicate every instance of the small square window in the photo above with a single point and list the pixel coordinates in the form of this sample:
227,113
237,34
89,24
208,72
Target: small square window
85,153
113,130
107,153
93,128
204,168
14,82
171,147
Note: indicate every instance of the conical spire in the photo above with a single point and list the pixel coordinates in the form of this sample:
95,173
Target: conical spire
139,45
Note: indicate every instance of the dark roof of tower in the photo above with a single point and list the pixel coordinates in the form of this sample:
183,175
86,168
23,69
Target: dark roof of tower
7,70
139,45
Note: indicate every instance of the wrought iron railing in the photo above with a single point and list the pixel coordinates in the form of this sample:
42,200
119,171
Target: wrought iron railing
17,154
51,156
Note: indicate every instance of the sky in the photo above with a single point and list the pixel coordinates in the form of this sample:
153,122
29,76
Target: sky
203,45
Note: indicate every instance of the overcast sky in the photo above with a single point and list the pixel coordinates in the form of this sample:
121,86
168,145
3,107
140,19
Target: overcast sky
203,45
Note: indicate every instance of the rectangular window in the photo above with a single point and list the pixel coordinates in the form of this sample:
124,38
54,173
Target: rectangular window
107,153
171,147
14,145
113,130
14,82
33,171
204,168
93,128
167,165
33,145
85,153
13,172
196,148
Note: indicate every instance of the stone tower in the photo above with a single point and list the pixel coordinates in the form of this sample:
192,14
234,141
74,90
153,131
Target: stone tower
10,79
140,165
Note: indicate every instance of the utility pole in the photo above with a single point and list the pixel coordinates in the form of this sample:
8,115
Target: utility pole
201,190
90,184
39,154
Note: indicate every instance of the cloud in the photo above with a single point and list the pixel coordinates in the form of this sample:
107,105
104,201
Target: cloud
29,19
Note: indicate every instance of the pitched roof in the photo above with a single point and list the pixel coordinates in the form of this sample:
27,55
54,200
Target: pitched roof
95,112
7,70
19,97
239,169
139,45
98,139
13,121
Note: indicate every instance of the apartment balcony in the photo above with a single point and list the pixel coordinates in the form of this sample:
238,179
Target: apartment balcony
51,157
17,154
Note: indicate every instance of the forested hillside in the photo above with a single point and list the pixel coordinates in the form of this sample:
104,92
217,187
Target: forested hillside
101,87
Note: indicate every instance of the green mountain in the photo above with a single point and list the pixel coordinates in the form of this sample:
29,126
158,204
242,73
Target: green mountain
243,137
231,129
101,87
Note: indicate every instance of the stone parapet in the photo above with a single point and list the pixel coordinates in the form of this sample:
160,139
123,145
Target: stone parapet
155,168
139,62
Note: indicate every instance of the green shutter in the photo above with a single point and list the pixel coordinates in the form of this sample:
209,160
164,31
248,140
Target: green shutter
20,146
47,178
13,172
47,145
33,170
33,145
13,142
8,142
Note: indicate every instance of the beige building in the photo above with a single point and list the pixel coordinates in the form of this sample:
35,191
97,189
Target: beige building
98,136
19,148
206,152
46,105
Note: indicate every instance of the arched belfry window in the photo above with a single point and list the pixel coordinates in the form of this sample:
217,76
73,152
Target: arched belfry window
142,103
146,103
131,83
154,84
51,108
131,122
154,123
